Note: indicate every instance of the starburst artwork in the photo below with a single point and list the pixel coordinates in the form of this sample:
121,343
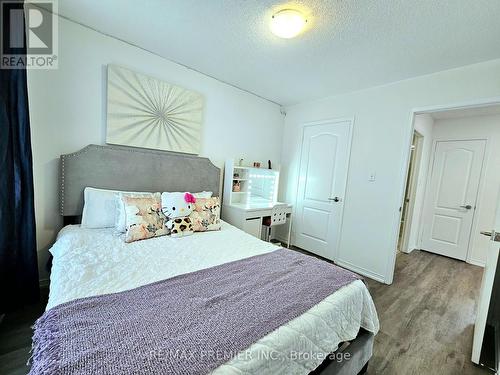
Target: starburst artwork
150,113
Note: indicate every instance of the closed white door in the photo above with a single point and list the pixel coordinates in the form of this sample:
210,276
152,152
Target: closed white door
322,180
488,300
451,199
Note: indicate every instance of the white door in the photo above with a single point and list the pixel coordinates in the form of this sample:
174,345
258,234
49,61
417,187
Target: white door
451,199
484,316
322,180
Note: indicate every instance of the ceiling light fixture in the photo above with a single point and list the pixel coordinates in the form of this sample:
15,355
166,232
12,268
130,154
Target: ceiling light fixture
287,23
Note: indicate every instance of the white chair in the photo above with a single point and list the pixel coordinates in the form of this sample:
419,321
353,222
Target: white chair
278,217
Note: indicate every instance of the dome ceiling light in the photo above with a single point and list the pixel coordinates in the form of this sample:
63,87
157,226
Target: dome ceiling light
287,23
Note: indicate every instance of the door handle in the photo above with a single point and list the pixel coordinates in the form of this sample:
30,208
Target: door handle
494,236
467,206
335,199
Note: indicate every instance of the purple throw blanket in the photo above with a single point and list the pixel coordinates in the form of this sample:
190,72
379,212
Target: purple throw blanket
188,324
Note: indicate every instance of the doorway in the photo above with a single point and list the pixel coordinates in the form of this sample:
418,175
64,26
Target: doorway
457,181
451,199
321,187
410,192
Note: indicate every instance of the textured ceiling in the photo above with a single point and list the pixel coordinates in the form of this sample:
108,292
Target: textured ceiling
349,44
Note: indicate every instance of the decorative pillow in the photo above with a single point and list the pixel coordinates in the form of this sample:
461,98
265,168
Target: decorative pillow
99,208
121,217
144,218
203,194
206,214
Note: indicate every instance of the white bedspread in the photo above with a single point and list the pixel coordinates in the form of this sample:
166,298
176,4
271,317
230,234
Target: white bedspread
90,262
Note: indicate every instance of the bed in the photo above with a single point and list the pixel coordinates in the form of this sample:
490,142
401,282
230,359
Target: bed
336,333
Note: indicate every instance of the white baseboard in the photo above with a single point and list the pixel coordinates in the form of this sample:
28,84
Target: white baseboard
362,271
411,250
352,267
476,262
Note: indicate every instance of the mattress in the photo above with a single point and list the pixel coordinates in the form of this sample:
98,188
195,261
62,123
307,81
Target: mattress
89,262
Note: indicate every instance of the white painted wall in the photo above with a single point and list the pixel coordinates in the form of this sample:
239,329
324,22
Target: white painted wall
423,124
478,127
381,140
67,110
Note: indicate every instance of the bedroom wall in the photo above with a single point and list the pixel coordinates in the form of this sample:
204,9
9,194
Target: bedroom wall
381,138
423,124
68,107
479,127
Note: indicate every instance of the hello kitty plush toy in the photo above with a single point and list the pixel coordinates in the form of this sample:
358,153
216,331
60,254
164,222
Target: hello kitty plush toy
177,207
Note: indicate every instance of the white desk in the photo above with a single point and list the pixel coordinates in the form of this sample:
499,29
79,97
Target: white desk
248,217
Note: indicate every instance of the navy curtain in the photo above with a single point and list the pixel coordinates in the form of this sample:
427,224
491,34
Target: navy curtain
18,255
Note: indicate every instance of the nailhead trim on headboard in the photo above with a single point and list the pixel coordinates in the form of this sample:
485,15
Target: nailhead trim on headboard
166,169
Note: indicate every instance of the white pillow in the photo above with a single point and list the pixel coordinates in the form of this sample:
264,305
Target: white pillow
120,223
99,208
203,194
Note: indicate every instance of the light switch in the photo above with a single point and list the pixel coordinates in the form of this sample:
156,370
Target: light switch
372,177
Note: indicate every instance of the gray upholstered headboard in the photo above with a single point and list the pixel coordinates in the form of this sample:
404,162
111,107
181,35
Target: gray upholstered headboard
132,169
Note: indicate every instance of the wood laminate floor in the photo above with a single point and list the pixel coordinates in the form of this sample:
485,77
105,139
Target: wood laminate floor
15,337
426,319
